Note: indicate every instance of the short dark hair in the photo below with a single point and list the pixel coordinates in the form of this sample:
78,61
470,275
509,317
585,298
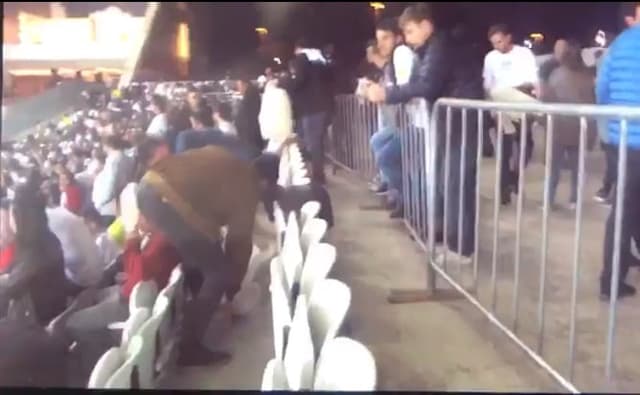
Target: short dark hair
499,28
224,110
146,149
415,13
389,25
159,101
572,56
203,115
115,142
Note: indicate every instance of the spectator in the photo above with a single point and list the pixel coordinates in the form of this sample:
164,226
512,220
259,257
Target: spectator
116,174
83,267
247,116
547,67
7,238
38,270
203,134
72,194
108,248
169,196
159,125
55,78
570,82
396,61
224,119
313,101
617,83
444,69
510,74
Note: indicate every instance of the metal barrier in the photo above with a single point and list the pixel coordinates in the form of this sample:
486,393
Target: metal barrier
443,171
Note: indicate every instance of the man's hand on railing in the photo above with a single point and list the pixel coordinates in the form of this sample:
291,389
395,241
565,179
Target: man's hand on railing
376,93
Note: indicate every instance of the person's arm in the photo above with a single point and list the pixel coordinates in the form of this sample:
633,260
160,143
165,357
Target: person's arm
487,75
602,80
14,283
108,191
530,71
434,73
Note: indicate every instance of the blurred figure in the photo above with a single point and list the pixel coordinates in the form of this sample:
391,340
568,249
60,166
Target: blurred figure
547,67
159,125
224,119
54,79
108,248
247,116
570,82
72,197
7,239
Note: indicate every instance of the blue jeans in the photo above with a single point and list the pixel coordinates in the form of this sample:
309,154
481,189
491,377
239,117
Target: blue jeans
387,152
314,128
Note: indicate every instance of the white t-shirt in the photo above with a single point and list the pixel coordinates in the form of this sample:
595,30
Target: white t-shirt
158,127
511,69
82,261
403,58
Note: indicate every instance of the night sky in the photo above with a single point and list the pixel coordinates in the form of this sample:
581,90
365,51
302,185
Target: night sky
224,32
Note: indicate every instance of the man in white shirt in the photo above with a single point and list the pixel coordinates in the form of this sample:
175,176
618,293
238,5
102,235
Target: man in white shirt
510,74
223,117
83,264
396,60
159,125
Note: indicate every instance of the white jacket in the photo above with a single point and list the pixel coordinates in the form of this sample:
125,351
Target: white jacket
117,171
276,116
82,261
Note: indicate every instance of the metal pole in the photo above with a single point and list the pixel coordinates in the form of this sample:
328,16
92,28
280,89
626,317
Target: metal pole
521,185
431,139
445,194
496,211
463,165
476,243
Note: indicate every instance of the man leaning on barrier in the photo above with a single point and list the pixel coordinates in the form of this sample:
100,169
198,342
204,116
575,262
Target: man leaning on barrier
618,83
443,70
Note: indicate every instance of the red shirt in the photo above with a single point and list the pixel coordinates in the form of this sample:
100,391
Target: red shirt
154,262
74,198
6,257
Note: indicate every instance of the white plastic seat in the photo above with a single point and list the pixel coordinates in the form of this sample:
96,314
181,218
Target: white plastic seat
149,332
312,233
309,210
291,255
299,355
320,260
300,181
274,377
106,366
133,324
281,224
143,294
345,365
281,314
127,375
328,306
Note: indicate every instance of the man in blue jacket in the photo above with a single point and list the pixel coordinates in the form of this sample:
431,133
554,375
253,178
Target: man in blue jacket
618,83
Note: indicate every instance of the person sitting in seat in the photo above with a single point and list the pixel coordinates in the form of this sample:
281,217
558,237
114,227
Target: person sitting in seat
108,248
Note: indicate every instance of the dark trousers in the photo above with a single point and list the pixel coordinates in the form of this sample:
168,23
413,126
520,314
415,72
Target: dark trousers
564,155
511,158
314,130
611,170
630,222
453,195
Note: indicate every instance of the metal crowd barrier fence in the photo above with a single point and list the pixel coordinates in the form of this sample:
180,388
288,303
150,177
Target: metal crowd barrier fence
442,167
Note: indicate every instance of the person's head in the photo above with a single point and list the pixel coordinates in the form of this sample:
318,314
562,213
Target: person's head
79,75
242,85
388,36
193,98
114,143
151,151
223,112
559,48
500,38
572,55
201,118
66,178
417,25
144,226
631,13
158,104
93,220
54,71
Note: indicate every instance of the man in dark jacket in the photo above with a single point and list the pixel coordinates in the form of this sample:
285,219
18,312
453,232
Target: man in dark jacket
311,91
443,69
246,119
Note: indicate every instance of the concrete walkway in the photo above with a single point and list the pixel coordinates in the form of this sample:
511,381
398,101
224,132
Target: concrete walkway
423,346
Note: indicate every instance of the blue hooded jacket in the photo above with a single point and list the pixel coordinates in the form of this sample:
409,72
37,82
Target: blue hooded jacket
618,82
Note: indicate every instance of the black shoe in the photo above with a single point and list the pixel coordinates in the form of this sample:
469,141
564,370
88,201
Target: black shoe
505,199
398,212
603,196
624,290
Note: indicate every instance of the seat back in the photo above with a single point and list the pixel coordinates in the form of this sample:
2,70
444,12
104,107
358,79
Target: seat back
106,366
309,210
313,232
281,224
328,306
280,308
274,377
143,294
345,365
127,375
149,332
320,260
299,355
291,255
131,327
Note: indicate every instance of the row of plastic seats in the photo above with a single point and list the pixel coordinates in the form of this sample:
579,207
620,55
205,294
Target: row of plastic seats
149,337
308,312
292,169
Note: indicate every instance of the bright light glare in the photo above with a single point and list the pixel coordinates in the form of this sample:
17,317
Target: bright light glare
601,38
277,60
377,6
262,30
528,44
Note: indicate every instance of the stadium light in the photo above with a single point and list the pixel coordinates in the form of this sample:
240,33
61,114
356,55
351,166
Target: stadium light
262,31
277,60
537,36
377,6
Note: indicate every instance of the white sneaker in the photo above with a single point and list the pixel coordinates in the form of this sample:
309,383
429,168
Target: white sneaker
453,257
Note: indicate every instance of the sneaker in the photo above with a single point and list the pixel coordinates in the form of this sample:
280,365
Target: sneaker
452,257
624,290
602,197
397,212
